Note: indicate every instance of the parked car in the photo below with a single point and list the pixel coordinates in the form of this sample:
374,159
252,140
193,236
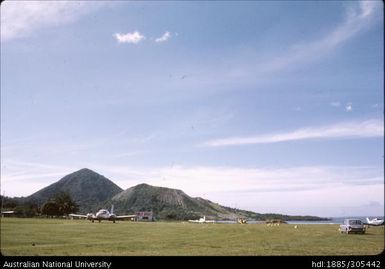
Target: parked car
352,226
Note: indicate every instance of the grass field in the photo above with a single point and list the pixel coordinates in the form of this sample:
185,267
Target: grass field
83,238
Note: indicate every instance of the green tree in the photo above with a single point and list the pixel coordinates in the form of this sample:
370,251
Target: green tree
8,203
65,203
50,208
60,204
26,209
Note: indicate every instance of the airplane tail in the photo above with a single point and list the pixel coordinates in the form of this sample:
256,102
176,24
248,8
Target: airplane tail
368,220
112,209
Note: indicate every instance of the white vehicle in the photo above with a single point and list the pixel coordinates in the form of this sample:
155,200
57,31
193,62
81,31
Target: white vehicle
7,212
202,220
103,214
375,222
352,226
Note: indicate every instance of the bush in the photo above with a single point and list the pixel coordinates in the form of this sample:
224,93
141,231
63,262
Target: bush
61,204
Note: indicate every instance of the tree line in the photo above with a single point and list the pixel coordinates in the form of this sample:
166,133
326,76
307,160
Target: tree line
60,204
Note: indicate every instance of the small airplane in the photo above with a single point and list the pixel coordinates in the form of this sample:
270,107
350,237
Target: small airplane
103,214
375,221
202,220
7,212
3,213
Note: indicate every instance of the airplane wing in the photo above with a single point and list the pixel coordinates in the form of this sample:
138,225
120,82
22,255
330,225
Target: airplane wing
193,221
7,212
78,216
210,221
126,217
374,224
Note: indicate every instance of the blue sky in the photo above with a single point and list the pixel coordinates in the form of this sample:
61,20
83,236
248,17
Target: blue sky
265,106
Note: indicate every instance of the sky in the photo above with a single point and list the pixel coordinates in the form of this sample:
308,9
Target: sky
274,107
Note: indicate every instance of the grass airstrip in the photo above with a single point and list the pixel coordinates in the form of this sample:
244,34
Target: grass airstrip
82,238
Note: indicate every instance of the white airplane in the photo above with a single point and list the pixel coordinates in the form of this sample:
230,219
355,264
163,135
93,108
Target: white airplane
3,213
7,212
103,214
202,220
375,222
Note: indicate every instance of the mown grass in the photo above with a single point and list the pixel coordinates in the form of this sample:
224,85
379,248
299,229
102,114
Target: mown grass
83,238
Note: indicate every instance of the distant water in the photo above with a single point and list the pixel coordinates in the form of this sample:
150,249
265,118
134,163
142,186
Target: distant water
333,220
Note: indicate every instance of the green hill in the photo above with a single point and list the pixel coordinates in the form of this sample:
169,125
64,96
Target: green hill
86,187
168,203
92,191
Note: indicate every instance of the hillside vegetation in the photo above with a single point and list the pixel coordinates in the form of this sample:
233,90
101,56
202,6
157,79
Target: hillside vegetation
87,188
92,191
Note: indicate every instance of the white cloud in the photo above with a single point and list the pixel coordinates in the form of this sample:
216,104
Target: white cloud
133,38
357,19
197,180
200,179
335,104
326,202
22,178
313,190
253,67
163,38
22,18
296,190
349,107
363,129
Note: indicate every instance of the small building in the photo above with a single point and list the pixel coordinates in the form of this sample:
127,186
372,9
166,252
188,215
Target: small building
144,216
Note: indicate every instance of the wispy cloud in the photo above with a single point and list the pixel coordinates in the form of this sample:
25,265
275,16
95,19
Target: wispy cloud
22,178
335,104
133,38
253,188
163,38
24,170
357,18
22,18
212,179
349,107
196,180
247,188
254,67
363,129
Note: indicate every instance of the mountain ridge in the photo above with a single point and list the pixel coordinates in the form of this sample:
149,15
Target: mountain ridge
87,188
167,203
92,191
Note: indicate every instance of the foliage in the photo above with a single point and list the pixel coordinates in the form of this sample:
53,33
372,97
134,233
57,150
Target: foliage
65,203
172,204
50,208
8,203
26,210
61,204
21,206
90,190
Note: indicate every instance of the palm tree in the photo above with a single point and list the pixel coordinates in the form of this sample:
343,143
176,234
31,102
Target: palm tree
65,203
